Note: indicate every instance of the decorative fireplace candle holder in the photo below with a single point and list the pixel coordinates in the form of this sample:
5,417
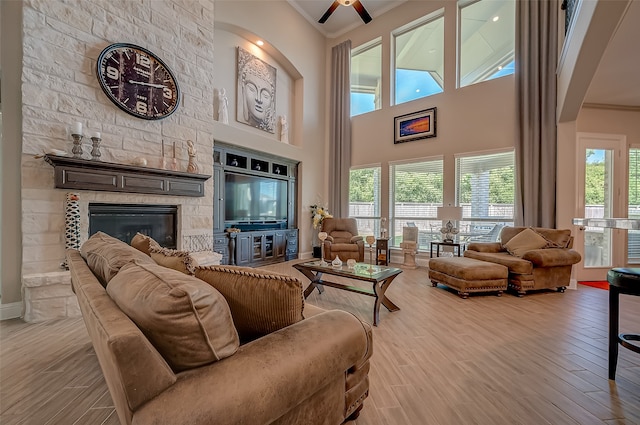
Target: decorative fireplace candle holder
95,151
77,145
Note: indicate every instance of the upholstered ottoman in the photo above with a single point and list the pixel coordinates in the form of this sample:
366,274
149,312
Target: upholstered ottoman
467,275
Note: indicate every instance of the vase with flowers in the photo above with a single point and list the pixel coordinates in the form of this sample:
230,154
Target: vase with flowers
318,214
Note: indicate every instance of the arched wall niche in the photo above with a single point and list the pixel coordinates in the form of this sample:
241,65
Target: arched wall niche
289,86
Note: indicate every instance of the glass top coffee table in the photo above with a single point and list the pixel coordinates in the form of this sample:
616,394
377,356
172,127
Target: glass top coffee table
379,276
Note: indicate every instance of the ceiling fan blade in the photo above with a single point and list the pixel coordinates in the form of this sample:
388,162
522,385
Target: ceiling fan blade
361,11
329,11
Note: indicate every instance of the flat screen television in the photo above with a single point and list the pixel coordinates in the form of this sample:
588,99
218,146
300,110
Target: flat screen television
254,199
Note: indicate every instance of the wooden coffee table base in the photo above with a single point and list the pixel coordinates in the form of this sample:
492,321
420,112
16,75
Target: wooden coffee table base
380,280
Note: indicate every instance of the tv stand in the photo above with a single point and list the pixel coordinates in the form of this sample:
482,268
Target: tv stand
259,242
258,248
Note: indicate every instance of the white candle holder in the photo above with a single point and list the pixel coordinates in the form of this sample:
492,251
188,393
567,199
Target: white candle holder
95,151
322,236
370,240
76,150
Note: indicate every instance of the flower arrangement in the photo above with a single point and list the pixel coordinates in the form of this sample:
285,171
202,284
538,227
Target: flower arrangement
318,214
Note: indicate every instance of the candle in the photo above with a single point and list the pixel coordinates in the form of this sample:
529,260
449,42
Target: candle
77,128
96,135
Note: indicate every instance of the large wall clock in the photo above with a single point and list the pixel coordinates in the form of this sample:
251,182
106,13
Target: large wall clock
137,81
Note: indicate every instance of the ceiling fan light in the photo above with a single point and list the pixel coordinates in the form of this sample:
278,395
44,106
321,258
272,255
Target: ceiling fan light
345,2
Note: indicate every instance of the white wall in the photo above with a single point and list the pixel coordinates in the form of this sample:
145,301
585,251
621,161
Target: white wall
481,117
11,248
301,47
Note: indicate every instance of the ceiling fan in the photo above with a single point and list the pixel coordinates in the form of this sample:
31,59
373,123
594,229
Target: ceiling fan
356,5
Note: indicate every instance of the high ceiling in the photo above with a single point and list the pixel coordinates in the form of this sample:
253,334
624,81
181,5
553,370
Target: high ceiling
617,80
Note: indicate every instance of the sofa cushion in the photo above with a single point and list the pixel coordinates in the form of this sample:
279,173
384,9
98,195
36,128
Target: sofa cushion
525,241
106,255
516,265
261,302
173,259
144,243
188,321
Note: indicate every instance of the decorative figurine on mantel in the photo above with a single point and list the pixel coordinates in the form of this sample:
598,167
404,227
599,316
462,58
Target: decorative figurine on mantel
192,167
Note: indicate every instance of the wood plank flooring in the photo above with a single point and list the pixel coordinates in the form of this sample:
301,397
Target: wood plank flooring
541,359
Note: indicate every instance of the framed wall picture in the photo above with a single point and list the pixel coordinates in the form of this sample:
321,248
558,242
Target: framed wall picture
415,126
256,104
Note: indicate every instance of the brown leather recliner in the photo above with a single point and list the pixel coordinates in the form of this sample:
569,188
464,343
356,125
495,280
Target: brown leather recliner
342,239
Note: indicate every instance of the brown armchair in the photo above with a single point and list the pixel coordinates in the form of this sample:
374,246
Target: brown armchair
342,239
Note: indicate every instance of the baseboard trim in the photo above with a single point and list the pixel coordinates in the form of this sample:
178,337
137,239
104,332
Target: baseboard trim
10,311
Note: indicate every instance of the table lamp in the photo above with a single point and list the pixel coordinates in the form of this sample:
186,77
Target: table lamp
449,213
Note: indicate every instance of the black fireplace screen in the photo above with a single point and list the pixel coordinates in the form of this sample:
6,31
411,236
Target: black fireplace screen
123,221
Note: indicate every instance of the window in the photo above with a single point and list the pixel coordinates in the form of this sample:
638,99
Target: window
633,247
485,189
364,199
419,58
366,74
416,193
487,40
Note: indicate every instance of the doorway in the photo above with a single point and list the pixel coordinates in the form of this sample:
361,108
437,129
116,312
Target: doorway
602,173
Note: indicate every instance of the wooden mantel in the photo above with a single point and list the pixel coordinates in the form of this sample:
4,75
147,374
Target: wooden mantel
83,174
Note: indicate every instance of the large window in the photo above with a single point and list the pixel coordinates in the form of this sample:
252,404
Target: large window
366,74
485,188
633,247
419,58
487,40
416,193
364,199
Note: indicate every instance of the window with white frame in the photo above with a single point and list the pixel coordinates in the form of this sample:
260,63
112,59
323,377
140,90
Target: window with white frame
485,189
415,194
364,199
633,206
486,40
419,58
366,76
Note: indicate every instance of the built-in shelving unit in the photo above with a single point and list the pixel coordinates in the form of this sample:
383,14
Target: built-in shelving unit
83,174
262,238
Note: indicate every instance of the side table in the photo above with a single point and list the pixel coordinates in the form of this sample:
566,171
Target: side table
459,246
382,251
621,281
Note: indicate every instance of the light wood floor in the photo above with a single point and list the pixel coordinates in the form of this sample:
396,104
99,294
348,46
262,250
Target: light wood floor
541,359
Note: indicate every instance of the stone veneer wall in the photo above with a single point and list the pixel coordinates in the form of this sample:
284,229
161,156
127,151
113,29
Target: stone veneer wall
61,43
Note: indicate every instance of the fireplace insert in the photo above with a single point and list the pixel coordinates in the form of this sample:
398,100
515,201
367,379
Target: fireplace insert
123,221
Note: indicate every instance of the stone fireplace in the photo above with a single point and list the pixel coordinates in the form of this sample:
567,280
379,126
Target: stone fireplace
46,286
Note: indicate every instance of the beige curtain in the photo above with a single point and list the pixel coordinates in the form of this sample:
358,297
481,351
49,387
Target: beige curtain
340,129
536,61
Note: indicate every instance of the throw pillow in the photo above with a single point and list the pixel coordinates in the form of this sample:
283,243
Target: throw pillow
144,243
106,255
525,241
188,321
173,259
261,302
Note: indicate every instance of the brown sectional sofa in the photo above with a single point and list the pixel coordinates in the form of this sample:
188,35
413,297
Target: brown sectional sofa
543,268
313,371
